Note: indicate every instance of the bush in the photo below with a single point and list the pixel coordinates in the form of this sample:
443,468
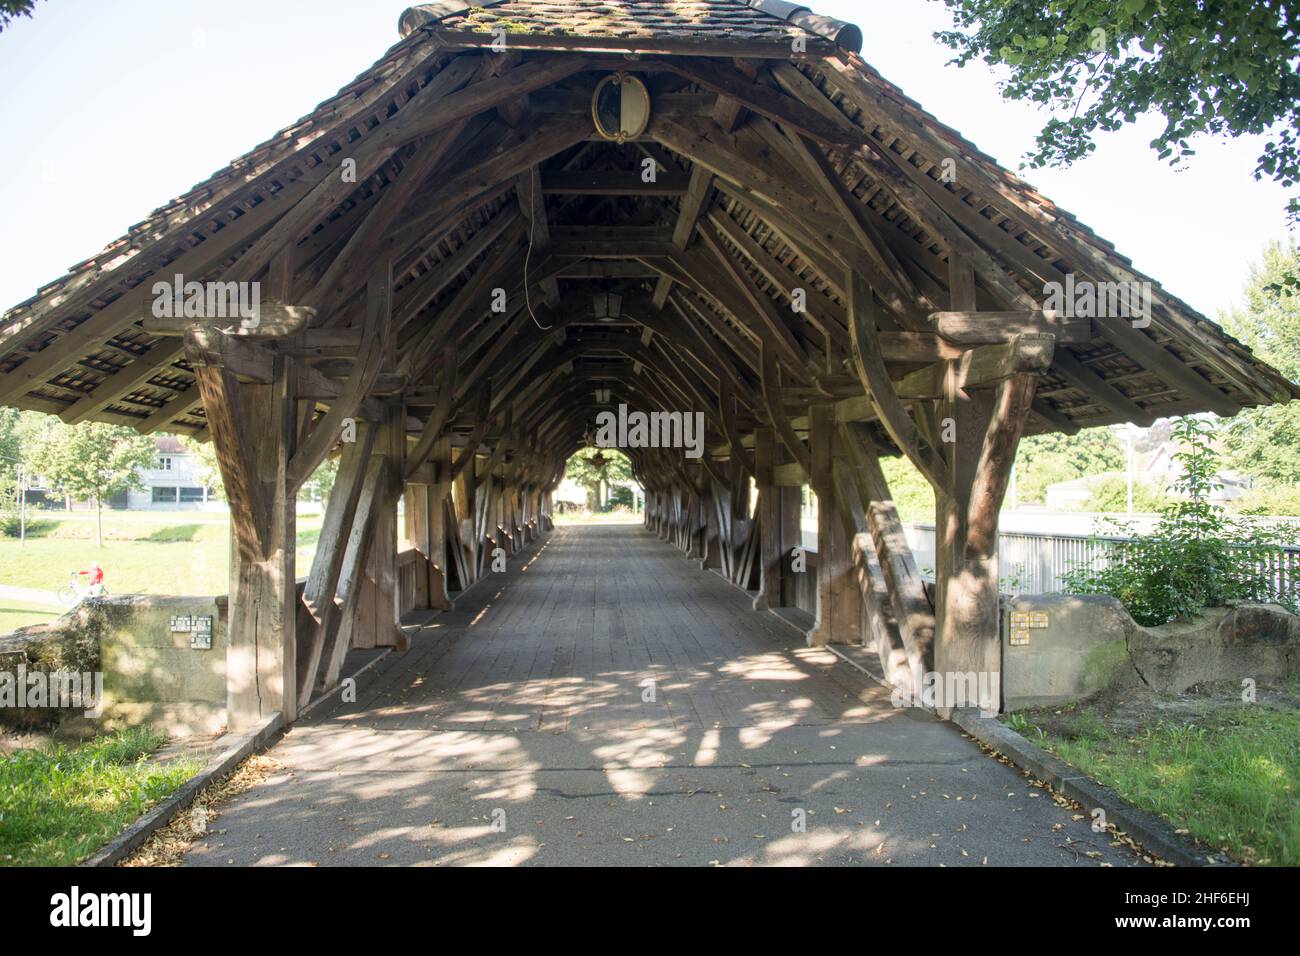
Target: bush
619,495
1196,557
1111,494
1270,500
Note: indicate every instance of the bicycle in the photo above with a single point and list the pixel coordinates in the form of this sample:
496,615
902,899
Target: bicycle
74,592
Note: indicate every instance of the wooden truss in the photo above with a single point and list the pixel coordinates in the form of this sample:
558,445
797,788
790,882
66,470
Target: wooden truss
781,255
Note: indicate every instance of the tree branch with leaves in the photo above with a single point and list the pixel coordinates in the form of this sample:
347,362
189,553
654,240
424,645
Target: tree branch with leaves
1224,68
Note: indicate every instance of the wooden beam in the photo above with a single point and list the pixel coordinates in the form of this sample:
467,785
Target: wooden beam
600,182
224,410
764,100
437,420
985,328
875,379
377,332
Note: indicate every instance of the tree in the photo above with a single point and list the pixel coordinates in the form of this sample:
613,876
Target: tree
913,493
91,462
584,469
1109,495
206,452
1044,460
1227,67
10,10
10,448
321,482
1265,442
1197,556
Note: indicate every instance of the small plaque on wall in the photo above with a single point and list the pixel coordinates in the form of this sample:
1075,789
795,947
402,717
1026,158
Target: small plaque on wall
199,627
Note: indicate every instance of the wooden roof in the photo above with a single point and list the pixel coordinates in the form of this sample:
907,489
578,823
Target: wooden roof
776,171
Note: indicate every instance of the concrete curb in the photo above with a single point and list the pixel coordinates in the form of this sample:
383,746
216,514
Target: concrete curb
130,839
329,694
1147,829
1150,831
126,842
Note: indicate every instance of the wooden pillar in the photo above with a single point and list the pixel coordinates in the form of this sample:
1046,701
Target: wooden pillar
254,429
416,497
439,498
426,521
379,610
839,600
466,502
980,430
768,515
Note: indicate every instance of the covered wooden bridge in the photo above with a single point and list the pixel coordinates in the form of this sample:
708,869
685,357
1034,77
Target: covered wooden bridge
531,211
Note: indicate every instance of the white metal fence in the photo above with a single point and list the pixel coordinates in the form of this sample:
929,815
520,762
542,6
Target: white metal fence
1036,563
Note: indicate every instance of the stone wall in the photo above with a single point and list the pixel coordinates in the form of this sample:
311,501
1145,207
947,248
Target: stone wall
152,674
1059,648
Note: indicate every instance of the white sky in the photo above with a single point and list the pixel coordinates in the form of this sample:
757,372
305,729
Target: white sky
110,109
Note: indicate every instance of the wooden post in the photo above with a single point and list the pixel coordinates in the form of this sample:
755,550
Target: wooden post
839,599
979,432
768,516
439,497
254,429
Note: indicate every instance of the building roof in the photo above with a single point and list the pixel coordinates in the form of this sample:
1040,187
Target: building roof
78,348
773,22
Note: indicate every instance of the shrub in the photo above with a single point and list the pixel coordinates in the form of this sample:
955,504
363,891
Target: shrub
1111,494
1197,556
1270,500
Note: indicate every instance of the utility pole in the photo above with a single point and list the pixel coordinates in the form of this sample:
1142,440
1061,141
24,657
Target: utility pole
22,505
1128,442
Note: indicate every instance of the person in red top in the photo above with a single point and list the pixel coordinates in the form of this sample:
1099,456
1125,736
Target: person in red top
94,579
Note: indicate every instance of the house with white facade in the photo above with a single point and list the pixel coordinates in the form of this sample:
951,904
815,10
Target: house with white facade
176,482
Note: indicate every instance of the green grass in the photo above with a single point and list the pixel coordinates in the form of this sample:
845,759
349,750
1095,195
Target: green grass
144,552
60,804
1231,779
599,517
16,614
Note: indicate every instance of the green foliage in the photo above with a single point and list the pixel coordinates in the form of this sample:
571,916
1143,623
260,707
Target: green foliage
913,495
1265,442
1044,460
209,472
10,446
1270,500
1198,556
1230,778
92,461
9,521
1110,494
58,805
582,468
321,482
1227,68
10,10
